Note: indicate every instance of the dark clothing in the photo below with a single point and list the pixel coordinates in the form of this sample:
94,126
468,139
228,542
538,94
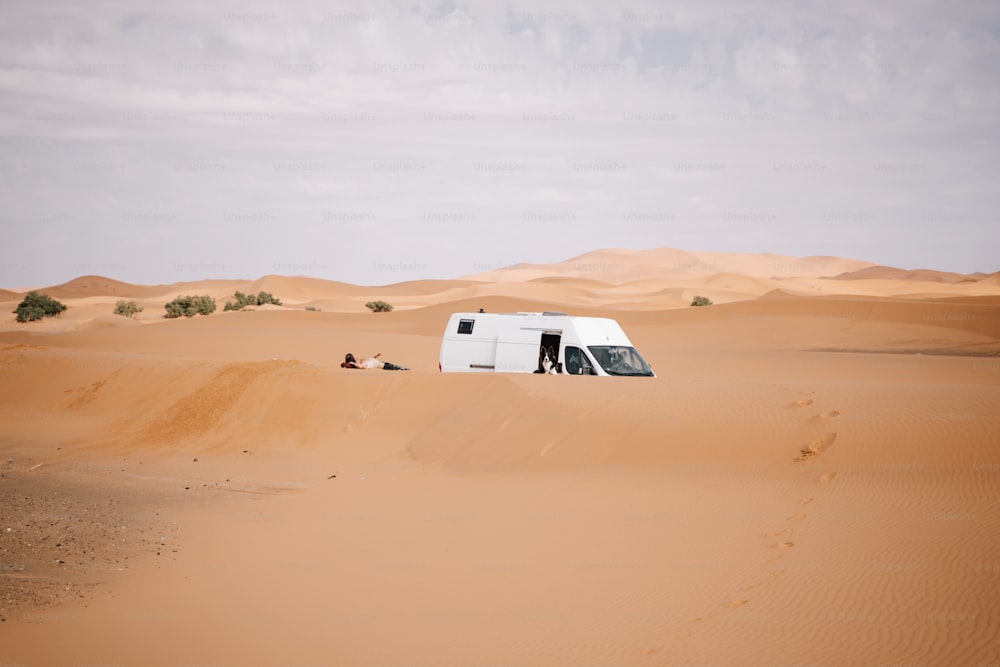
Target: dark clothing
392,367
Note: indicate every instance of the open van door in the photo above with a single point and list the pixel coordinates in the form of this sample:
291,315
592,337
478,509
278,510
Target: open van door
551,341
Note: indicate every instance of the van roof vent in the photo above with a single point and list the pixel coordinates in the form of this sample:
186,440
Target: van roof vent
554,312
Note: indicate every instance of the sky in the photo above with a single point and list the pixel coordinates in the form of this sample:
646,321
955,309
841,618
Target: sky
379,142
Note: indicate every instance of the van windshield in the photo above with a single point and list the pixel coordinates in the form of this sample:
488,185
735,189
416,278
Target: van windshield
620,360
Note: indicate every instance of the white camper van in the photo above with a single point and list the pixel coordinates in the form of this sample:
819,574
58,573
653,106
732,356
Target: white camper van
538,343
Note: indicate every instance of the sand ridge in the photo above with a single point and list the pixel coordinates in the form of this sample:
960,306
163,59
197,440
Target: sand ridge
617,265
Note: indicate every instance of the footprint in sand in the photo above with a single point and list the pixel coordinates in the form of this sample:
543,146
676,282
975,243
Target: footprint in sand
805,501
816,447
797,517
736,604
787,544
801,404
826,416
827,477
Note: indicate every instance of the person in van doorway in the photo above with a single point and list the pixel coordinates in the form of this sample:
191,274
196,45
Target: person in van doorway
371,362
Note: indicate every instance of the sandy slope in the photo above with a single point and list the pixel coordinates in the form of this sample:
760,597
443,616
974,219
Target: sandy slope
810,480
618,265
900,274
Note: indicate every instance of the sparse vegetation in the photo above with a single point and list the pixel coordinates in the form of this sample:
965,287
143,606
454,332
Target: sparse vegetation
314,309
189,306
701,301
378,306
243,300
35,306
127,308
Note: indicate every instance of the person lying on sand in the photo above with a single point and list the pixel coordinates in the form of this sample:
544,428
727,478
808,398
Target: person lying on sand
372,362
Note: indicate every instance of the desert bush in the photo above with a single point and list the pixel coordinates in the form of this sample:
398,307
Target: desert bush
243,300
378,306
701,301
189,306
127,308
35,306
313,309
265,297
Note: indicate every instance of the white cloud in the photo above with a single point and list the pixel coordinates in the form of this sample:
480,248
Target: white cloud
729,126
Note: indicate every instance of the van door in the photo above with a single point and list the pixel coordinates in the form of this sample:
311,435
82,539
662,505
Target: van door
578,362
517,350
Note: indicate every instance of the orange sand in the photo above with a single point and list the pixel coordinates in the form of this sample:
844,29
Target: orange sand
813,478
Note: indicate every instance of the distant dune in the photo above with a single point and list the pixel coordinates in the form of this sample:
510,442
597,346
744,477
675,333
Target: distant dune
926,275
617,266
612,279
96,286
992,279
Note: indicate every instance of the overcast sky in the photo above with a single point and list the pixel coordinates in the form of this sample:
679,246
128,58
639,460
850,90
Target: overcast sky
375,142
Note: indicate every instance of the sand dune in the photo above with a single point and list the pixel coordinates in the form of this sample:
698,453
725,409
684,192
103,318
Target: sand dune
927,275
100,286
811,478
97,285
992,280
616,279
617,265
300,288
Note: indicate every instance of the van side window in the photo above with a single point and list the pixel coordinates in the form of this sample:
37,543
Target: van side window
577,362
465,326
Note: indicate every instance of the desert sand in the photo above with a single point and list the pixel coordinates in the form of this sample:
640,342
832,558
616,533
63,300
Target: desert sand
812,479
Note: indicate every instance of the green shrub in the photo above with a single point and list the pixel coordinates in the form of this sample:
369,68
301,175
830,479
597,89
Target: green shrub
701,301
313,309
378,306
127,308
243,300
189,306
265,297
35,306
